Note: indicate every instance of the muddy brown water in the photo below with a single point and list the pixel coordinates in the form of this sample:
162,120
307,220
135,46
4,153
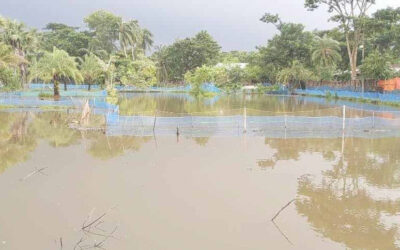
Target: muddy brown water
65,189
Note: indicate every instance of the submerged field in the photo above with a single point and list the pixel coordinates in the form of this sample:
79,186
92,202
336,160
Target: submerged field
79,189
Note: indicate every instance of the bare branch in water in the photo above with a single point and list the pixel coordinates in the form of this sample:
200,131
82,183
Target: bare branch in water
38,171
283,234
283,208
276,215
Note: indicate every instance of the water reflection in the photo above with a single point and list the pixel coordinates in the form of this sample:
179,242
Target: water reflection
15,141
105,147
184,104
348,202
21,132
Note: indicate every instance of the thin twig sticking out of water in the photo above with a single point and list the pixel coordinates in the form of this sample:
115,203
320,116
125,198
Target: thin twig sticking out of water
277,214
38,171
91,227
283,208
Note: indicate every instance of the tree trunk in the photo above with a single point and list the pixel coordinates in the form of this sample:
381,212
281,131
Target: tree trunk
89,86
56,90
353,52
65,86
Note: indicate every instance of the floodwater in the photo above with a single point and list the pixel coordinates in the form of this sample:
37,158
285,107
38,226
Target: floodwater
68,189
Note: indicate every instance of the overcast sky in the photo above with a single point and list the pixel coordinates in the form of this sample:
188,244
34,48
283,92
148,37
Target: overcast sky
233,23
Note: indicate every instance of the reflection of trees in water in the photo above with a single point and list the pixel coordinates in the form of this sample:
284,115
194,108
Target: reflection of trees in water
16,141
338,206
104,147
181,103
376,160
201,141
352,218
53,127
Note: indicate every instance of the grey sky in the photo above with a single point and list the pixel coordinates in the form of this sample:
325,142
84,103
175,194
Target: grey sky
234,23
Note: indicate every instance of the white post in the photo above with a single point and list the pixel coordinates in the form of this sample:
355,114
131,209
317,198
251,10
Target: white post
285,121
245,120
344,117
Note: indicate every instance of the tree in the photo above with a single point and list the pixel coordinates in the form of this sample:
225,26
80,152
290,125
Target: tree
105,27
57,66
22,41
130,37
325,51
293,75
8,58
351,16
292,43
377,66
66,38
140,73
188,54
147,40
91,69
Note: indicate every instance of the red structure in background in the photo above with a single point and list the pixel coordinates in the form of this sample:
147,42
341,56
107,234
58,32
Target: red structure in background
390,85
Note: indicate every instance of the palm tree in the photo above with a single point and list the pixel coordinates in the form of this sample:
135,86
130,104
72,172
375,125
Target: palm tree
326,51
56,66
159,57
22,41
8,58
147,39
91,68
130,36
294,75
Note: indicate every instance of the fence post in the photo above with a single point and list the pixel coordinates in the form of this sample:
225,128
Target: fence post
373,119
344,117
285,121
245,120
155,119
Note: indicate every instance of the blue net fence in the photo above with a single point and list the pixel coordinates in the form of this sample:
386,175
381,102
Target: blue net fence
330,122
322,122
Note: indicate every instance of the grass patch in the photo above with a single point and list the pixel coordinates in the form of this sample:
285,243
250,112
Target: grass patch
7,106
54,107
45,95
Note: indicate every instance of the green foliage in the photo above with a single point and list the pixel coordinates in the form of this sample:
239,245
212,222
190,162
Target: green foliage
186,55
105,27
140,73
225,77
291,44
45,95
92,68
57,67
9,78
293,75
66,38
377,66
325,51
112,95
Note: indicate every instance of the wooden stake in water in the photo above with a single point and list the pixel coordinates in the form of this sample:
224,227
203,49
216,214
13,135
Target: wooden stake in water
373,119
344,117
245,120
155,119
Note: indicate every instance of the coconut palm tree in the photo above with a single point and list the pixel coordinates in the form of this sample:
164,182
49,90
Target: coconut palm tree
55,67
91,68
22,40
293,75
326,51
130,36
147,39
8,58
